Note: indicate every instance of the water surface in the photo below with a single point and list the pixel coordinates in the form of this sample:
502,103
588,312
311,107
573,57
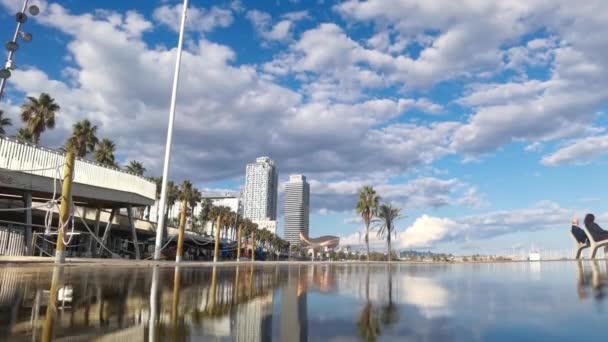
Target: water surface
558,301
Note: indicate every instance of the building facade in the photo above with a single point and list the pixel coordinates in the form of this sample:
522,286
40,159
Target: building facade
297,209
261,190
269,225
231,201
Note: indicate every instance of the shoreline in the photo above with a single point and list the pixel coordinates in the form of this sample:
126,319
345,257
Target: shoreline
33,261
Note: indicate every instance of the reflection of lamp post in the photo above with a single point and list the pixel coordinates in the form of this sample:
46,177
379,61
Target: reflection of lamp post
12,45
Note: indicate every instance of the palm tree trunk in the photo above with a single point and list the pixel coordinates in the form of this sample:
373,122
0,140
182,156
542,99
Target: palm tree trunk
180,239
217,240
367,239
389,247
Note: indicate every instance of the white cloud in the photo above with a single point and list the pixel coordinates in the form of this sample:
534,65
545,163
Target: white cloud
108,82
198,19
428,230
422,192
561,106
278,31
297,15
580,151
534,147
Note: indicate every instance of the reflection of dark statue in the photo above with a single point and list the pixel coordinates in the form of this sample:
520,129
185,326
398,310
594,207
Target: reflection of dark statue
594,282
598,282
580,281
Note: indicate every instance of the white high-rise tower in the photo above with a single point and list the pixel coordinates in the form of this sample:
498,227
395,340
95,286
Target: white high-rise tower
297,208
261,190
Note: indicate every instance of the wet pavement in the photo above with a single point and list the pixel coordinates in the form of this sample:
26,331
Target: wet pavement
558,301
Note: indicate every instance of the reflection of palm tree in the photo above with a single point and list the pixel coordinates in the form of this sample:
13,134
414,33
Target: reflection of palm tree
390,313
368,324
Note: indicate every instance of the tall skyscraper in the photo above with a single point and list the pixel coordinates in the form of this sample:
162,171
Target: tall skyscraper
261,190
297,208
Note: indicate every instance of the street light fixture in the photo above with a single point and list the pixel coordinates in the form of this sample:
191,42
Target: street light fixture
34,10
12,46
26,37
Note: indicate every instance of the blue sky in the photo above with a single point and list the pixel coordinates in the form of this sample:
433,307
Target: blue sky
484,121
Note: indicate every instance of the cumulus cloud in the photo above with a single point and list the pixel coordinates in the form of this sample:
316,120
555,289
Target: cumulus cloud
561,106
580,151
347,116
423,192
281,30
108,82
428,230
198,20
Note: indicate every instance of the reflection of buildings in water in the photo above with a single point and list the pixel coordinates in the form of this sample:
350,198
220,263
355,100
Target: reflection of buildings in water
254,320
592,279
119,302
294,320
535,270
10,295
322,278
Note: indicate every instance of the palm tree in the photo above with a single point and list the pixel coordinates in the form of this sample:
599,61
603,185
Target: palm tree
39,114
203,215
246,228
159,183
387,215
136,167
24,136
4,122
214,212
83,139
104,154
172,196
194,200
367,207
186,192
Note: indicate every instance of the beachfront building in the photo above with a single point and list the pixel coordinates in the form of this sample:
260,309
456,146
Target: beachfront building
297,208
261,193
230,200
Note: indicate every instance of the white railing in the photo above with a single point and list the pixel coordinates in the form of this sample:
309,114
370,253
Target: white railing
40,161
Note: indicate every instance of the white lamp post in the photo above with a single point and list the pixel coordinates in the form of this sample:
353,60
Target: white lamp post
163,193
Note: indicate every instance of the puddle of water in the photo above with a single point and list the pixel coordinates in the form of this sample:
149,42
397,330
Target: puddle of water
558,301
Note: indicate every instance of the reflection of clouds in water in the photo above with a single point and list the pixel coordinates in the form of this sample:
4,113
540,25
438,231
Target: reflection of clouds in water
427,295
430,298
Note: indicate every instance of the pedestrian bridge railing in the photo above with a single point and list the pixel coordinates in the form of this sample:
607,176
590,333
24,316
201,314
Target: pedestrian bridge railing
35,160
